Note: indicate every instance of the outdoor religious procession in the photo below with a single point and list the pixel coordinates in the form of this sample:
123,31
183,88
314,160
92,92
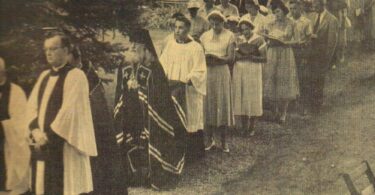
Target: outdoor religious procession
272,97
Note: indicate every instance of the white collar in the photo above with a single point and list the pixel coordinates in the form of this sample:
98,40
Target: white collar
58,68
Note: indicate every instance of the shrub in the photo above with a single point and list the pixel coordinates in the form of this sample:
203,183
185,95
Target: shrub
158,17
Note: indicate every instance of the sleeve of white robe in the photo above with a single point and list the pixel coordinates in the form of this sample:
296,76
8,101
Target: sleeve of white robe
16,133
32,103
198,74
74,120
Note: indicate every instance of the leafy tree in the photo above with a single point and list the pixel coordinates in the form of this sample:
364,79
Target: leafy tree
23,24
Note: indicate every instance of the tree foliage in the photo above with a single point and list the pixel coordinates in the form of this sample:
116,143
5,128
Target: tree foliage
23,25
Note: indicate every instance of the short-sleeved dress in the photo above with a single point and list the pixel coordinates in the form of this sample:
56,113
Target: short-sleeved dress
218,106
280,75
247,79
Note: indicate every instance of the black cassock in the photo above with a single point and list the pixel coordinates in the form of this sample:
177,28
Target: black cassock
106,167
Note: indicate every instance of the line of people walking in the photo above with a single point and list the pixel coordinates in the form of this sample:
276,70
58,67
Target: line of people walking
272,55
215,71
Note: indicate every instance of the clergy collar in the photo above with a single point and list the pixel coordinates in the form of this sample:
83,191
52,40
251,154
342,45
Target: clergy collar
60,69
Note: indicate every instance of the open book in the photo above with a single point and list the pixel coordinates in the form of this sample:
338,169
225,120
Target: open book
247,49
274,40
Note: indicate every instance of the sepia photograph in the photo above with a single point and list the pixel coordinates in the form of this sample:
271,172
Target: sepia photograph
187,97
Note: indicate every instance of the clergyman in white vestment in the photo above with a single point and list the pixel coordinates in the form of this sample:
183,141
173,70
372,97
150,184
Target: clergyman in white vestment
61,125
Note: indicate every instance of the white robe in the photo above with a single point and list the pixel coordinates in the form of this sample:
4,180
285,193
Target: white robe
74,124
184,62
17,152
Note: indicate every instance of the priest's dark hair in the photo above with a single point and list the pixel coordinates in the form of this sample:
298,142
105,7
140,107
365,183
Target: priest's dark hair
65,39
184,20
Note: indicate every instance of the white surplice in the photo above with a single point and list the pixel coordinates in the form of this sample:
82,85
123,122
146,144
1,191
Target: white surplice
186,62
74,124
17,152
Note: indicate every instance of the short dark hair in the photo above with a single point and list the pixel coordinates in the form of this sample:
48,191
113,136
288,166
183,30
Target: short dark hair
184,20
65,40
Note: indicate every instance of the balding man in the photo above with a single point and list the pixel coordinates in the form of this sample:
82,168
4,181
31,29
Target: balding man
14,148
60,121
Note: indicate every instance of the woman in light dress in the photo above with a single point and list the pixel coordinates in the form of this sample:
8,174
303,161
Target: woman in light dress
247,77
219,44
280,78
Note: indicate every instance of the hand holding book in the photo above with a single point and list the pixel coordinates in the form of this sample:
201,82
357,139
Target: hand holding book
213,60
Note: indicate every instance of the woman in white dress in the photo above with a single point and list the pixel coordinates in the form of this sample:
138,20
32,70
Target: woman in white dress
247,77
219,44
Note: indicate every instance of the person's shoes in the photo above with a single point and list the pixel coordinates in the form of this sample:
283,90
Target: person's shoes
282,119
210,146
252,133
226,148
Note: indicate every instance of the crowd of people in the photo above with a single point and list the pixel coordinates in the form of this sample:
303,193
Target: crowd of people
215,71
273,53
